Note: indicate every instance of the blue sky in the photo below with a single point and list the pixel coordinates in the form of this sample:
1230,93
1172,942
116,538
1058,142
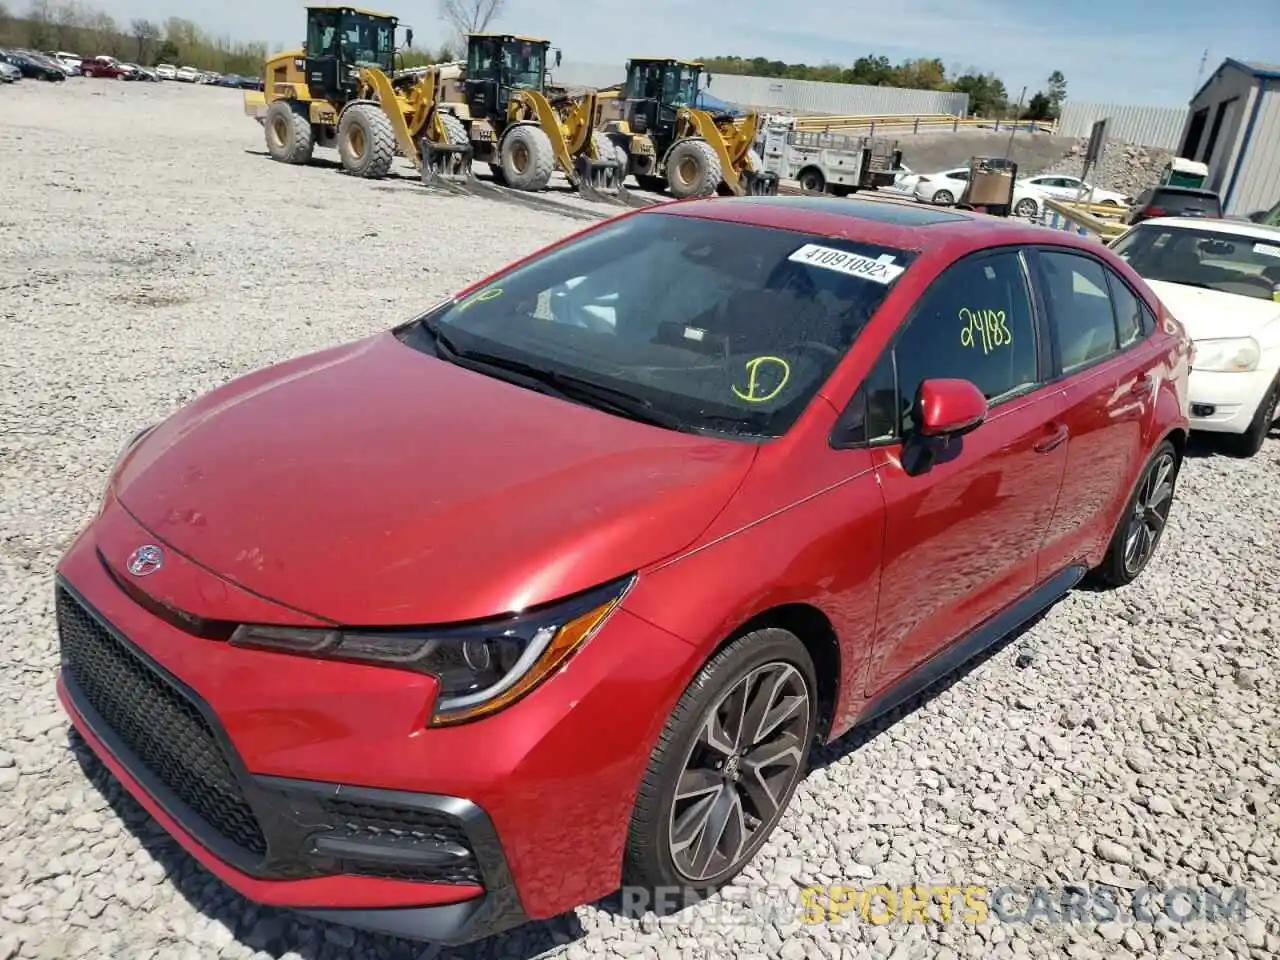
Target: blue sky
1118,51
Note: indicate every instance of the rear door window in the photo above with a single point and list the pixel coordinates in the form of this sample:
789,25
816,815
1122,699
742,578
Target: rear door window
1075,287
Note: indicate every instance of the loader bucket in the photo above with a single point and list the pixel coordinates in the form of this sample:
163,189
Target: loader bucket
449,162
597,177
760,184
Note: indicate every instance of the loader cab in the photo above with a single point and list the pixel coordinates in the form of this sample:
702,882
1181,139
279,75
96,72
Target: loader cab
655,91
497,64
340,40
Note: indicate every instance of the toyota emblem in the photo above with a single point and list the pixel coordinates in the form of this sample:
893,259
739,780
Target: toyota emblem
146,560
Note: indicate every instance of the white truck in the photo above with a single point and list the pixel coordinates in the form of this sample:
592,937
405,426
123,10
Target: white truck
827,162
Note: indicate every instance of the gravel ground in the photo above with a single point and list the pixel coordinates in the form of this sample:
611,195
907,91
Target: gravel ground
148,252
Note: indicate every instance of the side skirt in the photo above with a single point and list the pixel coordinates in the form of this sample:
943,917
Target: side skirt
987,634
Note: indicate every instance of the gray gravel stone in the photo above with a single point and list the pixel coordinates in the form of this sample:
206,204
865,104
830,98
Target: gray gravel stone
1145,721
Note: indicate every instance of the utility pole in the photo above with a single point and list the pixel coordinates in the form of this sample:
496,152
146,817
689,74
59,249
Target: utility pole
1013,128
1204,59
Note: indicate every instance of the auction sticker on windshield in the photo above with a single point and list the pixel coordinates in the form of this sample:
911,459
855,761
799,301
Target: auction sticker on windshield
881,270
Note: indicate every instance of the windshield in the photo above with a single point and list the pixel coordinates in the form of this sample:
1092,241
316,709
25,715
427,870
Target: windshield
719,327
680,85
367,41
522,64
1226,262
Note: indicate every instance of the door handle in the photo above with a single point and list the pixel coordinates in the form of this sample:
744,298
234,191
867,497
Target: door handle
1142,384
1053,440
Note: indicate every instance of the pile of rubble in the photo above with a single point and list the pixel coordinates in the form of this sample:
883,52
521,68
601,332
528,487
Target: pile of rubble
1125,167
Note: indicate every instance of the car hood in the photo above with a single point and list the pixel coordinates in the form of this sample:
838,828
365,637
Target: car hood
1212,314
371,484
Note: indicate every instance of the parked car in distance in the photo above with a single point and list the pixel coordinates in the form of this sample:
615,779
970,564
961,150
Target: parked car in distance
187,74
166,71
709,484
1221,279
69,62
34,65
103,67
1164,201
8,72
140,73
947,187
1071,189
904,182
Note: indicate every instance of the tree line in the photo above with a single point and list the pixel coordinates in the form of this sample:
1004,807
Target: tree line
988,96
76,26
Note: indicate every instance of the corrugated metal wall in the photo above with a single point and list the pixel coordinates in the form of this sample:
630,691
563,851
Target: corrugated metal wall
1148,126
796,96
1257,186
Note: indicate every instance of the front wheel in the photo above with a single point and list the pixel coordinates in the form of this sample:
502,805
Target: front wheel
1142,524
1250,442
944,198
725,766
366,141
812,181
1026,208
693,170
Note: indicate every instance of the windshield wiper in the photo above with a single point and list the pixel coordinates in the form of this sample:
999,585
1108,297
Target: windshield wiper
562,385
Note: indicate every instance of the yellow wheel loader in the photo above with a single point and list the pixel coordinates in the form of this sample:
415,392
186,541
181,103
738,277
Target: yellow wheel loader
665,140
342,91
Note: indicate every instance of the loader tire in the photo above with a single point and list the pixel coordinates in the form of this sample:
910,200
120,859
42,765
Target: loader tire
290,138
366,142
526,158
693,169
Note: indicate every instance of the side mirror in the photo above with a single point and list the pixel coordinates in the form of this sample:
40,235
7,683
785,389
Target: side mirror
948,408
558,56
708,81
408,37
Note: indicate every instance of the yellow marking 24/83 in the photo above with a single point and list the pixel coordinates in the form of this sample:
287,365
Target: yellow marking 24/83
984,328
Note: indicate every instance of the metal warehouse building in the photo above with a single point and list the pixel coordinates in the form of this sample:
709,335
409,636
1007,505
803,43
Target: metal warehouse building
1234,128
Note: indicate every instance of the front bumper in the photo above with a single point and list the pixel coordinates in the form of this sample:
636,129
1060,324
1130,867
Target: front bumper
271,834
299,772
1226,402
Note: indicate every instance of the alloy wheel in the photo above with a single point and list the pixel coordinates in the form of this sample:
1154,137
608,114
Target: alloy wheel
748,755
1150,513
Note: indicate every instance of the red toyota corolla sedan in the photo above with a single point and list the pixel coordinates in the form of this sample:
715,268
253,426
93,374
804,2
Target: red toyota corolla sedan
555,586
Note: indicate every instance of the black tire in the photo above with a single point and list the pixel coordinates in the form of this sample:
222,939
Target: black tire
812,181
290,138
1026,207
1247,444
526,158
944,198
693,169
649,861
366,141
1116,569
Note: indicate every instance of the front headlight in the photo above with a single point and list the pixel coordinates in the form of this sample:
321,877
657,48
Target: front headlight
481,667
1234,355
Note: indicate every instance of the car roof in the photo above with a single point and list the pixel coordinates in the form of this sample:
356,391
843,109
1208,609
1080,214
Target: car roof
1236,228
903,226
1185,191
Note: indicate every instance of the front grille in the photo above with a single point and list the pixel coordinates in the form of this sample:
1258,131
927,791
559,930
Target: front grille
402,829
157,722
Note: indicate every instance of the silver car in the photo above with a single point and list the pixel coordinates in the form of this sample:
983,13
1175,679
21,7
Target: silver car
8,72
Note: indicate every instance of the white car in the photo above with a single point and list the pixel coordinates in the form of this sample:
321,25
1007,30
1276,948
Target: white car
187,74
904,182
1062,187
70,62
1221,280
946,188
166,71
